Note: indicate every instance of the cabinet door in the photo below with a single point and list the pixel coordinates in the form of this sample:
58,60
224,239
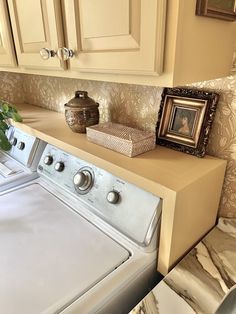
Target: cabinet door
36,24
116,36
7,52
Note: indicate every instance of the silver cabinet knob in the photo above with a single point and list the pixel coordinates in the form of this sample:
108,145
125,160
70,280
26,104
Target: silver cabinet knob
21,145
113,197
64,53
59,166
46,53
48,160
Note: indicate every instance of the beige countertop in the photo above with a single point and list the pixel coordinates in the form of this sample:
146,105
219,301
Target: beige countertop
182,181
201,280
161,166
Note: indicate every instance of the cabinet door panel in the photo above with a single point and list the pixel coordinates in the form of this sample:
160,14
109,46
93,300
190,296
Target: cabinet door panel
26,18
36,24
91,11
7,52
101,30
119,36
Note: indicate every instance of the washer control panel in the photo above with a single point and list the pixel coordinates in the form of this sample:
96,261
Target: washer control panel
128,208
25,148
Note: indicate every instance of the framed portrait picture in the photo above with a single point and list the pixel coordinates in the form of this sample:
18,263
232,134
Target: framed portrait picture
233,70
222,9
185,118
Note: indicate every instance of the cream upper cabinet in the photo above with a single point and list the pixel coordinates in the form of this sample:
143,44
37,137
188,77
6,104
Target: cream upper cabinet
36,25
7,52
148,42
110,36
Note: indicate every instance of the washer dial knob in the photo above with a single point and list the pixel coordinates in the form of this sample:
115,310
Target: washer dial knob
59,166
80,179
13,141
113,197
21,145
83,181
48,160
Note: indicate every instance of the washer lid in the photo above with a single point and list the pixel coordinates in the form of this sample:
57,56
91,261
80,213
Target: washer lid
50,255
11,171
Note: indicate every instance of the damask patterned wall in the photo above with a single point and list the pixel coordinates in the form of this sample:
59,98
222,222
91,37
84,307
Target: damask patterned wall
222,141
136,106
11,87
128,104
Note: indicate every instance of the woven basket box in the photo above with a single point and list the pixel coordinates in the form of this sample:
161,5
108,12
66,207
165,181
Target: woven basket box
120,138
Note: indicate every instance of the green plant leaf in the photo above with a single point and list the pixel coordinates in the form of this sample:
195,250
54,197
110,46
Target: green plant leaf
4,144
12,115
5,107
16,117
7,111
2,117
12,109
3,126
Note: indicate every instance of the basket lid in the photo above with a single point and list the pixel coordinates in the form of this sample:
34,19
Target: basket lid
81,101
122,131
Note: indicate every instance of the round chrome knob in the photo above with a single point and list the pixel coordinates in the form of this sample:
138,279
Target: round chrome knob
46,53
21,145
80,179
48,160
83,181
64,53
13,141
59,166
113,197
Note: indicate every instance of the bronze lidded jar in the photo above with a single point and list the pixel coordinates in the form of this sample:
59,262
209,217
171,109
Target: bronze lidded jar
81,111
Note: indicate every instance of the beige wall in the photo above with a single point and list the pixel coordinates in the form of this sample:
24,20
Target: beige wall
136,106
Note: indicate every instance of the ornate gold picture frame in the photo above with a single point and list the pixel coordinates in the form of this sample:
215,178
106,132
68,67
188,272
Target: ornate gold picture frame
185,118
221,9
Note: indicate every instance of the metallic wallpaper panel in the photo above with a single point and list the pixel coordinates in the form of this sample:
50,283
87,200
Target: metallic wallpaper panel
136,106
11,87
133,105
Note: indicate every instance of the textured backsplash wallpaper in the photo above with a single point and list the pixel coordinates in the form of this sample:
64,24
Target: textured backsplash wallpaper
11,87
135,106
128,104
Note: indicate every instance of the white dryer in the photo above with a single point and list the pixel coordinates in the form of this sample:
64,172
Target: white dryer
20,163
76,240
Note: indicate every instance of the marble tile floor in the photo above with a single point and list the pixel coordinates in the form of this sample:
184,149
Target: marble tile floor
200,281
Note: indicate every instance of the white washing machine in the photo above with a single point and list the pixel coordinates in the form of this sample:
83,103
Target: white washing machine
20,163
76,240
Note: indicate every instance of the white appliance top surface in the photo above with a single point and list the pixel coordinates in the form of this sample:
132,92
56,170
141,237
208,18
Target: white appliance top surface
50,255
10,170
